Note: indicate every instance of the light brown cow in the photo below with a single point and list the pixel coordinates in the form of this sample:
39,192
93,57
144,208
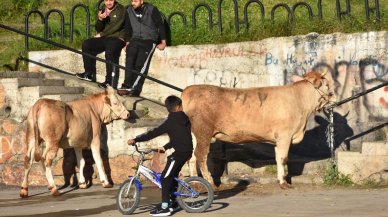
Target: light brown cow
75,125
276,115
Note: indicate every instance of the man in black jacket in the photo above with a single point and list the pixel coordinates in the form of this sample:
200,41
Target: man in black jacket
178,128
145,28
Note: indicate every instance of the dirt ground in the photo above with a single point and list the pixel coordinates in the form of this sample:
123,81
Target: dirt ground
241,199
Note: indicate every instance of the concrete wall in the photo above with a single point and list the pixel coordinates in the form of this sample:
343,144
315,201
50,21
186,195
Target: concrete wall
357,62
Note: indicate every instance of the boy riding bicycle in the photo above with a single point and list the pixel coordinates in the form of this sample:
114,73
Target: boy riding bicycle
178,128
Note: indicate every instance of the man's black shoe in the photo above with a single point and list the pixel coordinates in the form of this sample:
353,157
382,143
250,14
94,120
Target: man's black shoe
104,85
124,92
85,76
160,212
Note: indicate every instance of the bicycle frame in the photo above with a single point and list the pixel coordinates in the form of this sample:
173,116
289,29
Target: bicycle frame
155,178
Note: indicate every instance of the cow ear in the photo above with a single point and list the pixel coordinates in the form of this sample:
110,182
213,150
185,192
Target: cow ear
296,78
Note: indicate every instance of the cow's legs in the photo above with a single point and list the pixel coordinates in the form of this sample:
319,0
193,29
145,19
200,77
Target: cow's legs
203,136
28,160
201,152
48,157
192,165
281,152
81,166
100,167
192,162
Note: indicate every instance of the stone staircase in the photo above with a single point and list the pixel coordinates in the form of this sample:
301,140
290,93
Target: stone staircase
23,89
140,106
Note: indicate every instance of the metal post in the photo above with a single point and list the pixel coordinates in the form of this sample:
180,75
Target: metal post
331,133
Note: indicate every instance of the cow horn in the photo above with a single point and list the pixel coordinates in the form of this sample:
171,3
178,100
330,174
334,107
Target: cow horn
324,72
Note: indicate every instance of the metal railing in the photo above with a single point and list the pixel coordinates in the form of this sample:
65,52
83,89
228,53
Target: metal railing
45,22
86,54
330,109
340,12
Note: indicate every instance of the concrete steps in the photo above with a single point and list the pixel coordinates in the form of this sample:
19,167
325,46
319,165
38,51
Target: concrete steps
64,97
30,82
140,106
25,88
20,74
371,164
54,90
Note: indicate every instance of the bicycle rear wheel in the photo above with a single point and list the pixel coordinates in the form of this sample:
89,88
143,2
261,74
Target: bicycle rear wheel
196,195
128,197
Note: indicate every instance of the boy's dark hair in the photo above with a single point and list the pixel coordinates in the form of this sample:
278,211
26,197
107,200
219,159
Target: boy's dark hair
171,102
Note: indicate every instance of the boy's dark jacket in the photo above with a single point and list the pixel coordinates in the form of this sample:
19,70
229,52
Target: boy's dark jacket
178,128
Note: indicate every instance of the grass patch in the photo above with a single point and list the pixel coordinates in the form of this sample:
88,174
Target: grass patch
258,27
370,183
271,169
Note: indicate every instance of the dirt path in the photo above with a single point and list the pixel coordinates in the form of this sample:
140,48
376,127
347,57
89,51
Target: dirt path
243,200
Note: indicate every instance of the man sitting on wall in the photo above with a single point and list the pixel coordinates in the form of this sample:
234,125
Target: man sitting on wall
110,38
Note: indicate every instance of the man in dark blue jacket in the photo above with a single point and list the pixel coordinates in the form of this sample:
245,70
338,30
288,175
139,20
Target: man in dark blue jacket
178,128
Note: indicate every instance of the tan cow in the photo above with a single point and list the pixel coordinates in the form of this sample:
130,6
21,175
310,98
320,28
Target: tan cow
276,115
75,125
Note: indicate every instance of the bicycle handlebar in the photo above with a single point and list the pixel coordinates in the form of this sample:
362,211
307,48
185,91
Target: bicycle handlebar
147,152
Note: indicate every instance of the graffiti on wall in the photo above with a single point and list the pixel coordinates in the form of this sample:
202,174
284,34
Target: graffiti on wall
12,138
200,60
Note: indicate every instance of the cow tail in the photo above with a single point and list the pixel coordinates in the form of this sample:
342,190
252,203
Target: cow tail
36,149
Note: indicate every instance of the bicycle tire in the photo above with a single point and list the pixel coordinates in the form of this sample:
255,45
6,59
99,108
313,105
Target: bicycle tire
127,204
196,204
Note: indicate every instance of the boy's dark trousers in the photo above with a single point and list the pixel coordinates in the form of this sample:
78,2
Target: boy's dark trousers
174,165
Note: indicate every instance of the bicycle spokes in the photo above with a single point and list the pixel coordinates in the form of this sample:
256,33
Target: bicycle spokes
193,194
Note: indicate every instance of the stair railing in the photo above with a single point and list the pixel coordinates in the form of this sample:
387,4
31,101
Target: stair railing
89,55
330,127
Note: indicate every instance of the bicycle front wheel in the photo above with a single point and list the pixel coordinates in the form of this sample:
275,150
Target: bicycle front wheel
128,197
195,195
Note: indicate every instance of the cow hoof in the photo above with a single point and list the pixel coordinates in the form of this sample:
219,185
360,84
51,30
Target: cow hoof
55,192
107,185
23,192
285,185
50,187
83,185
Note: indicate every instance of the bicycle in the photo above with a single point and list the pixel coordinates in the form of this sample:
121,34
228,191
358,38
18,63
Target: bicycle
194,194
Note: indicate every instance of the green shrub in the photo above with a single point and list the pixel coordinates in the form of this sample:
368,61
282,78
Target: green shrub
333,177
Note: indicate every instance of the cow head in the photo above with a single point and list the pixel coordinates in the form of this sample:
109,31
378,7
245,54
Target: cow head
113,108
323,85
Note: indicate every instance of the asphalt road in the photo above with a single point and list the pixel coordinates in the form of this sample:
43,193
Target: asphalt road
243,200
